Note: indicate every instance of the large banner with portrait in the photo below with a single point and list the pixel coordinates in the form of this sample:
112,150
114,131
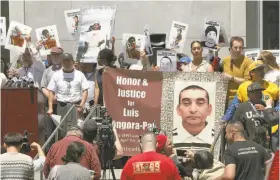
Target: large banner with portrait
95,29
187,106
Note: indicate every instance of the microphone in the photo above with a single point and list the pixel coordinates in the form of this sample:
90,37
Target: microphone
18,83
10,82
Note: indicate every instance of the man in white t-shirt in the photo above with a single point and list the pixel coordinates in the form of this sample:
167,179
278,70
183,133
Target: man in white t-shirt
70,87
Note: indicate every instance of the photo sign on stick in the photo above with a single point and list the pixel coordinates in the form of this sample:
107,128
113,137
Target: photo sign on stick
133,100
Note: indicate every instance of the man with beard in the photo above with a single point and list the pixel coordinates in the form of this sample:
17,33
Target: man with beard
244,159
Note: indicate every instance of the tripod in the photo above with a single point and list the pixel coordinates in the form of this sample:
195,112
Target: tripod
106,162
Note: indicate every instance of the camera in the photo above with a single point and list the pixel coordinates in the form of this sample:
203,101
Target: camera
25,148
105,137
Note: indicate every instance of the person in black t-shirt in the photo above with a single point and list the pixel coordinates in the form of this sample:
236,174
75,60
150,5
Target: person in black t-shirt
244,159
255,121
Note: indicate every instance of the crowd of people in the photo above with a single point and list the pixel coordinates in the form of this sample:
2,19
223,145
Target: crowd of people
250,121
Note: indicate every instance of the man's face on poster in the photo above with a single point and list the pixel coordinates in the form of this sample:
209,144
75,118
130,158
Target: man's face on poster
194,106
75,19
211,37
96,26
165,64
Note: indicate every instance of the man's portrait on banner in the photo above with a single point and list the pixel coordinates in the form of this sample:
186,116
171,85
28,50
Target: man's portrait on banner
47,39
194,114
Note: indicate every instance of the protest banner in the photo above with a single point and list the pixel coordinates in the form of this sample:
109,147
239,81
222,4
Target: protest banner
135,99
177,36
16,36
132,99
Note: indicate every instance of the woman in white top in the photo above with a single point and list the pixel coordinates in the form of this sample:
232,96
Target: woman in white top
197,64
272,70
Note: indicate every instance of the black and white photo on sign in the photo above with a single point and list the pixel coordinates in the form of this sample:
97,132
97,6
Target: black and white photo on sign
2,30
72,18
177,36
252,53
148,47
48,38
167,61
133,45
210,37
194,113
15,39
95,28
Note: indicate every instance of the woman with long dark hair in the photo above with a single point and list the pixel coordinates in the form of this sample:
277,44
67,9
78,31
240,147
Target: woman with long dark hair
72,169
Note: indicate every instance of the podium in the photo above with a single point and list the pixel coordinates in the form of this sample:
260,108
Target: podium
23,109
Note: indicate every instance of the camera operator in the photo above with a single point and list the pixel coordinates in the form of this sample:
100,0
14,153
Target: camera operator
15,165
90,129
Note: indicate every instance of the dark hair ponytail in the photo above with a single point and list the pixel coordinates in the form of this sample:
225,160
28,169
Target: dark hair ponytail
74,152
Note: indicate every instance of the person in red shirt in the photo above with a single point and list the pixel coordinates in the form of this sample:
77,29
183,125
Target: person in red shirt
58,150
149,164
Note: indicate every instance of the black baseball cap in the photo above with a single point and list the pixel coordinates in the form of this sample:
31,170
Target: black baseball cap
255,86
67,56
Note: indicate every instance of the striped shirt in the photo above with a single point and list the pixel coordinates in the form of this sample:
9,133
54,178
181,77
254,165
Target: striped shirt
16,166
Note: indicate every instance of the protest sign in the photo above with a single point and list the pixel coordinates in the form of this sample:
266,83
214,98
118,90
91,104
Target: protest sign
210,38
167,61
2,30
94,32
48,38
133,45
177,36
72,20
148,47
135,99
16,36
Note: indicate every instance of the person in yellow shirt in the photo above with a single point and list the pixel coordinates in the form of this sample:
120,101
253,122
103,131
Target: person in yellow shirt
256,72
236,66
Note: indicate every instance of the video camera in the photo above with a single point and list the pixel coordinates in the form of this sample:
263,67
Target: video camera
25,148
105,137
